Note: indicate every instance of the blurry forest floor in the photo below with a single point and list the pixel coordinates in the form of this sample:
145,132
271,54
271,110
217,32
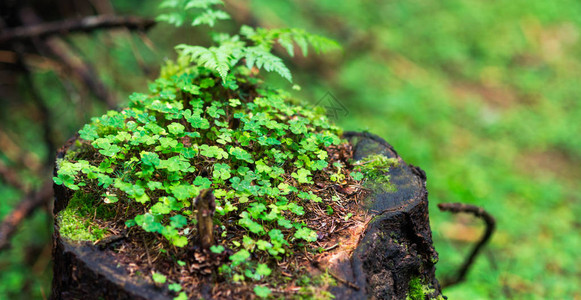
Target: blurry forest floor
482,95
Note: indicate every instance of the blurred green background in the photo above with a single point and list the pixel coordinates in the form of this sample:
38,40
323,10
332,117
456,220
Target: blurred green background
482,95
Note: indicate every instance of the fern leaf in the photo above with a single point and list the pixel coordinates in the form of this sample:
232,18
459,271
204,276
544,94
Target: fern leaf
322,44
217,59
247,31
286,41
299,37
263,59
210,17
176,19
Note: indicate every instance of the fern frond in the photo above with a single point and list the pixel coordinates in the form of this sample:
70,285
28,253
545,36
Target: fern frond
263,59
286,37
230,50
217,59
210,17
261,37
322,44
317,42
176,19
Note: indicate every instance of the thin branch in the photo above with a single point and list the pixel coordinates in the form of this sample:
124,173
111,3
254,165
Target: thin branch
24,209
86,24
490,226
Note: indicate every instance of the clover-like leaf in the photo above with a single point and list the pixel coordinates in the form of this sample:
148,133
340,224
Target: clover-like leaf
306,234
217,249
158,278
302,176
174,287
184,191
263,270
262,291
356,175
178,221
213,152
176,128
241,154
221,171
239,257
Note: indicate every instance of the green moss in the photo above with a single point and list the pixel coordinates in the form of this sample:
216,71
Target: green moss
376,168
76,221
420,291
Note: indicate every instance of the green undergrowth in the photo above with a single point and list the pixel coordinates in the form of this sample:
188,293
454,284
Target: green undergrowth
210,122
259,152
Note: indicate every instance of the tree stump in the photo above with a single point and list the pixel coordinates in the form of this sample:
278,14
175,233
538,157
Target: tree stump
393,250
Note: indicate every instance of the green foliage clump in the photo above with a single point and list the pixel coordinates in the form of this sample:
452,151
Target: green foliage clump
209,122
76,221
259,154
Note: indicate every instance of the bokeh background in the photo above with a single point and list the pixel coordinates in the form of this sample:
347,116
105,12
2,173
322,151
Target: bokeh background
482,95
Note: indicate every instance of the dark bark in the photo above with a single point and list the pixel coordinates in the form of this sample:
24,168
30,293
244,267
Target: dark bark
396,246
394,249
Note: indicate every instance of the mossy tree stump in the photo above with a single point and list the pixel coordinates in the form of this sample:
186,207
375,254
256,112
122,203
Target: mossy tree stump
392,256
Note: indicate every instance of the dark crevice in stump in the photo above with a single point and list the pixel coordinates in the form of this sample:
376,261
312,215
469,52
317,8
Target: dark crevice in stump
394,249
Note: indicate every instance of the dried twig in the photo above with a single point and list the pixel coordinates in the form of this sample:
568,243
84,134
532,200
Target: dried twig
490,226
24,209
86,24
